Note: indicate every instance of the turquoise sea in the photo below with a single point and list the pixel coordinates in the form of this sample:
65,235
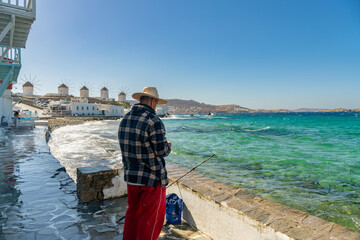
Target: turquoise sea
309,161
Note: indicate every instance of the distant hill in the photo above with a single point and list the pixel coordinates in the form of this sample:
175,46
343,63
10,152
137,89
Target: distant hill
309,110
342,110
191,106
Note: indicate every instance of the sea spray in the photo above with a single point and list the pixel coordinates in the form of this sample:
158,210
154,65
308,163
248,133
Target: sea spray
84,145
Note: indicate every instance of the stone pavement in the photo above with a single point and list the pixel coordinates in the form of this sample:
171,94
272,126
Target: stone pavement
38,199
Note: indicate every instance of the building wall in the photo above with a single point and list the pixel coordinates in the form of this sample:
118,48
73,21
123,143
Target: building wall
1,113
121,98
6,105
84,109
112,110
28,91
161,110
63,91
104,94
84,93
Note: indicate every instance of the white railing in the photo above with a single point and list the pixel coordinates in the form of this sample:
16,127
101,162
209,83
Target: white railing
10,55
26,5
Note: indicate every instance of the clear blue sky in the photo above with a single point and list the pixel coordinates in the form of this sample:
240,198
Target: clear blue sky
255,53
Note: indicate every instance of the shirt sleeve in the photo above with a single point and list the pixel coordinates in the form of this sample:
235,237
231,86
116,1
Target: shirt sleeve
158,140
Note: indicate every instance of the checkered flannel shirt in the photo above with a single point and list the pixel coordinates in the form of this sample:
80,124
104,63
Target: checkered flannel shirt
143,145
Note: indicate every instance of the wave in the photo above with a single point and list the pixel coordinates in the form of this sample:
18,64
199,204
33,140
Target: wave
257,130
83,145
194,117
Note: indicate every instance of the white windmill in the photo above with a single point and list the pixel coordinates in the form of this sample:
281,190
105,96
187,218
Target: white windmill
30,85
122,94
85,89
64,88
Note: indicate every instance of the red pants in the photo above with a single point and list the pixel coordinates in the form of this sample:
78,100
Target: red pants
145,215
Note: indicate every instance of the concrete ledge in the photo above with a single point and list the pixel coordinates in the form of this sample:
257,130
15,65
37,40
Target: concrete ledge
99,183
219,210
224,212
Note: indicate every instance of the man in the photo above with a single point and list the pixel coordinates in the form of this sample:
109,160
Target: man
143,145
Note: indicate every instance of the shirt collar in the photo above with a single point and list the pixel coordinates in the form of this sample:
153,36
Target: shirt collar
145,107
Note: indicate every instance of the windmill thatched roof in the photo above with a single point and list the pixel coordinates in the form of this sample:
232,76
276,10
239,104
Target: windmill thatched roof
28,84
84,88
104,89
63,86
122,93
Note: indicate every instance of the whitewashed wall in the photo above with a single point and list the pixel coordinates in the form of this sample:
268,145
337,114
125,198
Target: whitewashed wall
112,110
6,105
84,109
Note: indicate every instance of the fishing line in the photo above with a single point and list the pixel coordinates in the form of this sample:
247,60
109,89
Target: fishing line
213,155
108,151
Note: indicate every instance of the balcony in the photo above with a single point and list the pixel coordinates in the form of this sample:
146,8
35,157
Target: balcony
10,56
16,18
10,64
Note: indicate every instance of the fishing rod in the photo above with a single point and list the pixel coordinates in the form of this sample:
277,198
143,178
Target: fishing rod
184,175
213,155
109,152
191,170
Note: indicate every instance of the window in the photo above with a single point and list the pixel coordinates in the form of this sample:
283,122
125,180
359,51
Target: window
77,108
82,108
87,108
93,108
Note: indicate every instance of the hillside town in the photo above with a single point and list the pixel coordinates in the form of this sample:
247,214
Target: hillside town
25,107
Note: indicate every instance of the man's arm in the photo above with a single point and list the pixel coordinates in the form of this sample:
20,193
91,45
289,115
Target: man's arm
158,140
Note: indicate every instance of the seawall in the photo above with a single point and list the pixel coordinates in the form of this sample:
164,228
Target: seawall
227,213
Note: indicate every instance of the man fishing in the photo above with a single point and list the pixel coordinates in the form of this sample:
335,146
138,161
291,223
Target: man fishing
143,145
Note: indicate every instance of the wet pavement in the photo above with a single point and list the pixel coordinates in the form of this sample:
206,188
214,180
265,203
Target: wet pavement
38,199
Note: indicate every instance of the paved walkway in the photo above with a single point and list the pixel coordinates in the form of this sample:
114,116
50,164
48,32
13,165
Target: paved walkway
38,199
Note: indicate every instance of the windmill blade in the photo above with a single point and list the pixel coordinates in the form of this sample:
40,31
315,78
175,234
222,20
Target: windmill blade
35,81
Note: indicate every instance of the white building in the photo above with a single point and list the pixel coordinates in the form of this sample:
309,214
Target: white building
111,110
59,108
81,107
16,18
161,110
104,93
6,107
28,89
84,92
63,90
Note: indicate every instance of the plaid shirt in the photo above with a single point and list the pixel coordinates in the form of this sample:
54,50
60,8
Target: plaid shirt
143,145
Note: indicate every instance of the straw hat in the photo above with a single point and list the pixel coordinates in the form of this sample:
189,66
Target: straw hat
149,92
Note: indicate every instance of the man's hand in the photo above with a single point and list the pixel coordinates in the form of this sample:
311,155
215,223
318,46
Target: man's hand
169,143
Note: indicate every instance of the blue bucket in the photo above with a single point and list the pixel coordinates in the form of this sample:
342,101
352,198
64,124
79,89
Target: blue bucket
174,208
